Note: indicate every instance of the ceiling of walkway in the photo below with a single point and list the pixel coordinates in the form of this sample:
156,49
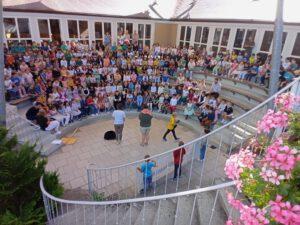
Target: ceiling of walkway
194,9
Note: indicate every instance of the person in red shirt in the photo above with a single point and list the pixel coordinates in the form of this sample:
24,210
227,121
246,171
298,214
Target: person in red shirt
178,158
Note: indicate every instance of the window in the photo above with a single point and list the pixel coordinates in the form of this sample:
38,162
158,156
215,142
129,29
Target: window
196,46
73,29
129,28
267,40
198,34
296,48
24,31
141,31
182,32
55,29
188,33
107,28
10,28
217,36
239,37
250,36
120,28
147,43
98,30
205,35
148,31
144,32
44,28
225,37
83,29
284,34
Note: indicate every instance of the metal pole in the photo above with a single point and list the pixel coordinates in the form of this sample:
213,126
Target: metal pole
2,88
276,51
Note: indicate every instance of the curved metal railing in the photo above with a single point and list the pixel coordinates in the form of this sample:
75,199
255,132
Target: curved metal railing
125,181
191,202
134,211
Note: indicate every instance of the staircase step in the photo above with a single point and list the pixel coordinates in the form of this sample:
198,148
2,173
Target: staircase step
117,215
205,203
184,211
147,214
165,213
224,202
131,214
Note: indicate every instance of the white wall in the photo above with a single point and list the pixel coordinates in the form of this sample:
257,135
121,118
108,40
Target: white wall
292,30
261,28
33,17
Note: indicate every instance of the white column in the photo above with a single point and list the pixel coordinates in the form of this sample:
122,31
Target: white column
210,36
64,32
231,38
34,29
289,43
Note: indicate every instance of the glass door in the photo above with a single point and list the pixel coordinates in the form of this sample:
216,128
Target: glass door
55,30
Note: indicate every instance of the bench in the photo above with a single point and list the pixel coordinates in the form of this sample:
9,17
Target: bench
21,100
234,90
250,84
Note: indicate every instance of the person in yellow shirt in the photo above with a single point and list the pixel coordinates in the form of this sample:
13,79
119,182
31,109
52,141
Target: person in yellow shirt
171,127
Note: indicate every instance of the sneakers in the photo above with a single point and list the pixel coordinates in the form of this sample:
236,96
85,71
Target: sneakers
58,132
176,139
165,139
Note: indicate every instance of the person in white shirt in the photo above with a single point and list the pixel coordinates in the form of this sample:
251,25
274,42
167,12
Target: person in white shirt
173,103
216,86
119,119
64,62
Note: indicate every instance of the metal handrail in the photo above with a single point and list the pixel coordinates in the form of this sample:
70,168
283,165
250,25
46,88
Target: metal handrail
93,166
135,200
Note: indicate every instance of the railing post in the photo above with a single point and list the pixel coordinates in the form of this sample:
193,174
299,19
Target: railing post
90,180
213,208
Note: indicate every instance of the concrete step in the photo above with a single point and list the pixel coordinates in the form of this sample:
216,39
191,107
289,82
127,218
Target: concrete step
117,215
131,214
205,207
184,211
165,213
147,214
247,86
222,200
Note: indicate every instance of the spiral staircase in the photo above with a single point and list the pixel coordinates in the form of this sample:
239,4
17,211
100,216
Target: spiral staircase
198,197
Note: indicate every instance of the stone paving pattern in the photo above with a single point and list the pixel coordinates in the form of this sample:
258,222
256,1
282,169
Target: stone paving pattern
71,161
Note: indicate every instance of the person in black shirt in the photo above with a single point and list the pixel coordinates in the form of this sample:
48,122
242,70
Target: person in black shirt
117,99
32,112
46,124
227,113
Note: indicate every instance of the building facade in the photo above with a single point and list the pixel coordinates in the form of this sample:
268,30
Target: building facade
217,35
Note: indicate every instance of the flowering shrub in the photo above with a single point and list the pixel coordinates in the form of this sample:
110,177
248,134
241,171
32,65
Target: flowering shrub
270,180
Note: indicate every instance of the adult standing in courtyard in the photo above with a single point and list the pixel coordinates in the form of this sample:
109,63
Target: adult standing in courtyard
119,120
145,118
171,127
178,158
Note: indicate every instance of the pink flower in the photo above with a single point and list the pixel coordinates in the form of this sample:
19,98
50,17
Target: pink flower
234,202
250,215
270,175
286,101
284,212
272,120
235,164
279,161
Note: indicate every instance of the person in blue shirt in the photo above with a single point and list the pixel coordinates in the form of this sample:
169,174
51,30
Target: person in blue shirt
146,169
139,101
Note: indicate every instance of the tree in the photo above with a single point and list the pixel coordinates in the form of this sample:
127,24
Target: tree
20,171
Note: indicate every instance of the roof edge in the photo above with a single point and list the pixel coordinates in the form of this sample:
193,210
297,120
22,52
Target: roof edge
219,20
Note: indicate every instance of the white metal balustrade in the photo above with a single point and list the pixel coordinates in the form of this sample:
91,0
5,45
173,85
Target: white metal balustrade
198,197
124,181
